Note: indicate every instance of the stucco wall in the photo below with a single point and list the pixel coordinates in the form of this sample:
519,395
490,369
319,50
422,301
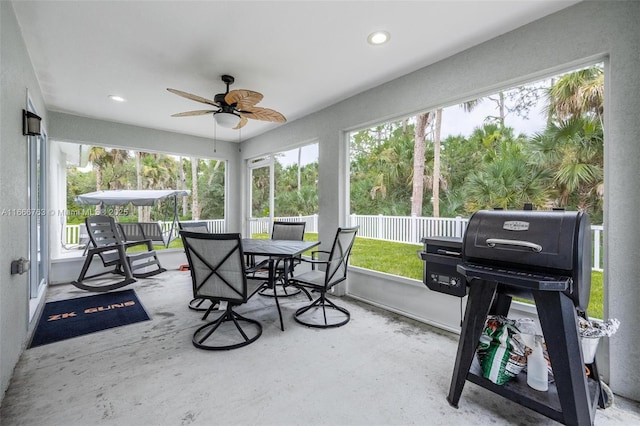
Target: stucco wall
17,78
575,36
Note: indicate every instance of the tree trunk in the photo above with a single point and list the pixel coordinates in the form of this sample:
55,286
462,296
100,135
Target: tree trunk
195,209
183,186
98,186
550,110
299,161
422,120
502,107
436,164
139,181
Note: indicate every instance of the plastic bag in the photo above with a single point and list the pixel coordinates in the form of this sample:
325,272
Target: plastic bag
501,351
592,328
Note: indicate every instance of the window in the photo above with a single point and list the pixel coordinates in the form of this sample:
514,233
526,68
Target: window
107,168
539,143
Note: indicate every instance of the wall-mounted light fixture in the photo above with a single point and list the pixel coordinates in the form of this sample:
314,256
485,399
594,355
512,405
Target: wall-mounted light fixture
31,123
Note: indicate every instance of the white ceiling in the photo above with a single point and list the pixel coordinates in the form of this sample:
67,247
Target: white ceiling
301,55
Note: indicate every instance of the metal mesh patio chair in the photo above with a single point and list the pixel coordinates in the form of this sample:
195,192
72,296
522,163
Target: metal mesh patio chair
107,243
293,231
322,281
196,304
193,226
217,266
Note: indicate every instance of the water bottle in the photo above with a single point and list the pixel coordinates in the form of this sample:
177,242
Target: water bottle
537,373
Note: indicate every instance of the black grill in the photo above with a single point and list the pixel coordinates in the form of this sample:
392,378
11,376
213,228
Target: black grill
546,256
530,250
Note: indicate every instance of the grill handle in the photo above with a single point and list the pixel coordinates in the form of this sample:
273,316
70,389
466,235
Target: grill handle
448,252
492,242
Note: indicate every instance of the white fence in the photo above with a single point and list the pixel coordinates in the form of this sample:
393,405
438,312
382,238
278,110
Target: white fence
408,229
404,229
262,225
215,226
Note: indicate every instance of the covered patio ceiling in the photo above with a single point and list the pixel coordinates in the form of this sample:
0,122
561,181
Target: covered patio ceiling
303,56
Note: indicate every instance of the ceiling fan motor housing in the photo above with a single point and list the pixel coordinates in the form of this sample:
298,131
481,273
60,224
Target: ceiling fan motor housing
219,98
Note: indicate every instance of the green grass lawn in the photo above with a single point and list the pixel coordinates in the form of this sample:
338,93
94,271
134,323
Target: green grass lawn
402,259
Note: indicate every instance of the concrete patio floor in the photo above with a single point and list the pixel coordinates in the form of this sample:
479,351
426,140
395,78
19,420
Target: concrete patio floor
379,369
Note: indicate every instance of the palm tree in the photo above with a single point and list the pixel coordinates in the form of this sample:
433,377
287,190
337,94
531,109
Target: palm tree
578,93
507,180
99,157
573,140
117,160
573,149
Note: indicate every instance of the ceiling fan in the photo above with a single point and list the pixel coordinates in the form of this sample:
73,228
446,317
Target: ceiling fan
233,107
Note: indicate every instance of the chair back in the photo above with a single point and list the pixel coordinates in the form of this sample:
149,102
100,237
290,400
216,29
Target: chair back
288,231
102,231
216,263
339,256
131,231
193,226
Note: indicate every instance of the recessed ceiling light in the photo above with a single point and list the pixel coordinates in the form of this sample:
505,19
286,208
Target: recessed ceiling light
378,37
116,98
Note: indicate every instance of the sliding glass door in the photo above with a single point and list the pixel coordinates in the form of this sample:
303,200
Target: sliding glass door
38,224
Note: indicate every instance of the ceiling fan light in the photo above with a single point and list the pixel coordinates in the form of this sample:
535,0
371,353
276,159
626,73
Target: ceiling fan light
227,119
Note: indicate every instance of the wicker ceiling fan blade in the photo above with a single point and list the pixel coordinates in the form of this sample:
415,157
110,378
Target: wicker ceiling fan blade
193,97
238,102
192,113
243,99
242,123
264,114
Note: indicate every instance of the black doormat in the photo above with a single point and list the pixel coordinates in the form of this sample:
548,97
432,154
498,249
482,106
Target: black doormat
69,318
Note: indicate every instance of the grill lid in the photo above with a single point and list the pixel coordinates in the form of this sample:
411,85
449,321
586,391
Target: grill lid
543,250
530,239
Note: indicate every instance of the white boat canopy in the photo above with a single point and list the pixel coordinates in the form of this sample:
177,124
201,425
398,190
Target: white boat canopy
137,197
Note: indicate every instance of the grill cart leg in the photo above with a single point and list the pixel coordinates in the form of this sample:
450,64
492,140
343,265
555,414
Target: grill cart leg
480,297
558,320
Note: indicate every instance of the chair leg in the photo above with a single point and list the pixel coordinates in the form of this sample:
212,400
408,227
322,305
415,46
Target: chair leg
155,261
322,303
281,290
217,328
281,285
200,304
99,286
